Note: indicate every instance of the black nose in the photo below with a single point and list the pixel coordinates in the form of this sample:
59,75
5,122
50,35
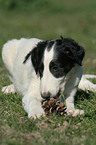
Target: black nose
46,95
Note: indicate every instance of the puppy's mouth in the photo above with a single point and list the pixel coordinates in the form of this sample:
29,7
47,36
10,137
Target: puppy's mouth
57,95
50,96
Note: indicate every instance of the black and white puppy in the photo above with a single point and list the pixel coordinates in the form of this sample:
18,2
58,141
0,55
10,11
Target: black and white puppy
41,69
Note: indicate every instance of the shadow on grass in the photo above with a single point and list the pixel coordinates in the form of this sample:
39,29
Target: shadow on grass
81,95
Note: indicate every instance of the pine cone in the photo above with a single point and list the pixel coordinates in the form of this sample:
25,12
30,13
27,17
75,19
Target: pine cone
54,106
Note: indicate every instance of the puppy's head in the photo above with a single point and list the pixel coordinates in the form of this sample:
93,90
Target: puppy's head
52,60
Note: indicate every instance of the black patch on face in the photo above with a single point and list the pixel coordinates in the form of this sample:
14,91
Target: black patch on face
66,54
59,69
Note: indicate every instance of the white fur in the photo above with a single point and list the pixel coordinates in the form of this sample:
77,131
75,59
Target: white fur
27,83
85,84
48,82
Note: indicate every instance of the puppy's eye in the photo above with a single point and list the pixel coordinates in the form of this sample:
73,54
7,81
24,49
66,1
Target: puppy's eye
55,68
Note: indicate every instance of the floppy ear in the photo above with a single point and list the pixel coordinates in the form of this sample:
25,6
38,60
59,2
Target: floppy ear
74,51
79,55
37,55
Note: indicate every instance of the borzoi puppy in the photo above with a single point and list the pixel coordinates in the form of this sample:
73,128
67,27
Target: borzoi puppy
41,69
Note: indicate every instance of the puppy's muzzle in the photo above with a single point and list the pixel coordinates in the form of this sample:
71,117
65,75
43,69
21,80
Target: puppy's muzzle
46,95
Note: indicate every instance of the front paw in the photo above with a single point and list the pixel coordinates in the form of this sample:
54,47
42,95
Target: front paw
75,112
8,89
36,113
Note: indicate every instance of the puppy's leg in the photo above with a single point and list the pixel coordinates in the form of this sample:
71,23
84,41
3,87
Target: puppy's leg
32,105
85,84
9,89
71,111
32,100
70,91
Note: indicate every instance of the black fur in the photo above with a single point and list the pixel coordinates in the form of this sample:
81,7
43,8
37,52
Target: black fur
66,53
27,56
50,44
37,57
70,49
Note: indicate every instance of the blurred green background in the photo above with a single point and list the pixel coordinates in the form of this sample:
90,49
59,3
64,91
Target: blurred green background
49,19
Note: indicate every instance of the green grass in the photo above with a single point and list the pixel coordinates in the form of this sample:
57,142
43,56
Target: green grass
48,19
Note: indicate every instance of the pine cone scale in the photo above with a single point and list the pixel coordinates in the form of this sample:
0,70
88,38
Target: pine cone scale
54,106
